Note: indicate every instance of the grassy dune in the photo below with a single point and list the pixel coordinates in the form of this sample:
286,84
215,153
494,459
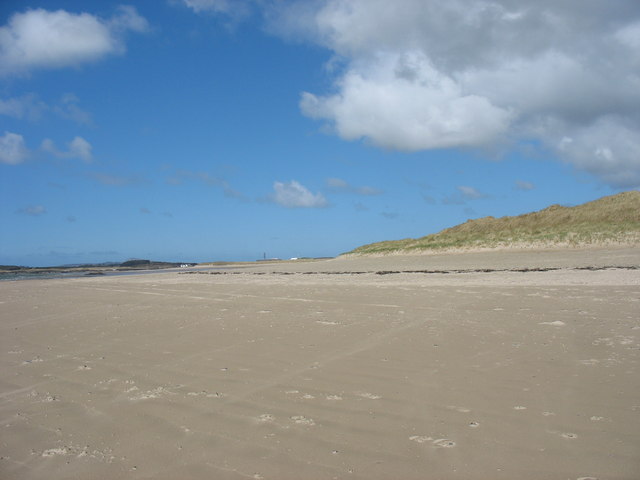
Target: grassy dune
613,220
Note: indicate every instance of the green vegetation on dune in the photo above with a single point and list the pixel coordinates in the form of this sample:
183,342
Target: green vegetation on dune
606,221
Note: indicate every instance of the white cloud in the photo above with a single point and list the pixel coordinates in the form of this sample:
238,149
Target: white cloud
12,149
52,39
341,186
423,110
608,148
76,148
433,74
293,195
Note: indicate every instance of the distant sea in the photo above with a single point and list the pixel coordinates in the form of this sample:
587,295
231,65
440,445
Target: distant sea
52,275
39,275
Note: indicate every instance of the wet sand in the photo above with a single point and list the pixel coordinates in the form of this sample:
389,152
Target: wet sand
496,365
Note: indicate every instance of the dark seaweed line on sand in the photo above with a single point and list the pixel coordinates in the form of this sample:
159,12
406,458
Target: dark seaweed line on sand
425,272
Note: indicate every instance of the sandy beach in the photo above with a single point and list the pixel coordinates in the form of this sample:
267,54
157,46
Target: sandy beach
495,365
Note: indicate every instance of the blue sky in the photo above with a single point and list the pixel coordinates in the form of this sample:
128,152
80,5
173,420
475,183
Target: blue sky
201,130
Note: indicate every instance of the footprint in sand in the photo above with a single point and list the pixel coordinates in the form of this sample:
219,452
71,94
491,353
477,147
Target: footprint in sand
300,420
52,452
444,443
36,359
439,442
149,394
458,409
370,396
420,439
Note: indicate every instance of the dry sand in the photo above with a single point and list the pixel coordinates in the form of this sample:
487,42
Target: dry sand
281,372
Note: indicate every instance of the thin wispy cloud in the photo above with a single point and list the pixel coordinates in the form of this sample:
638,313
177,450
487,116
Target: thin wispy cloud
235,9
390,215
115,180
30,107
526,186
77,148
338,185
32,210
24,106
69,108
471,193
180,177
463,195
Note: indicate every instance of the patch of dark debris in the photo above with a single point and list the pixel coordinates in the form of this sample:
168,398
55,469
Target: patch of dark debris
424,272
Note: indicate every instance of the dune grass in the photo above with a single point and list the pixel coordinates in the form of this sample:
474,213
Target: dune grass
607,221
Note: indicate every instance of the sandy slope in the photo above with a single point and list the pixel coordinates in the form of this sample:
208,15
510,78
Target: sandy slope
282,372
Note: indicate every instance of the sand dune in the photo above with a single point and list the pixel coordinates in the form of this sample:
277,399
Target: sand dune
312,370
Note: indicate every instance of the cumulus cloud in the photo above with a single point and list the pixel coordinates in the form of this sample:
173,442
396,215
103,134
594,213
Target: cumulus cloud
341,186
295,195
609,148
12,149
487,73
32,210
415,110
76,148
52,39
